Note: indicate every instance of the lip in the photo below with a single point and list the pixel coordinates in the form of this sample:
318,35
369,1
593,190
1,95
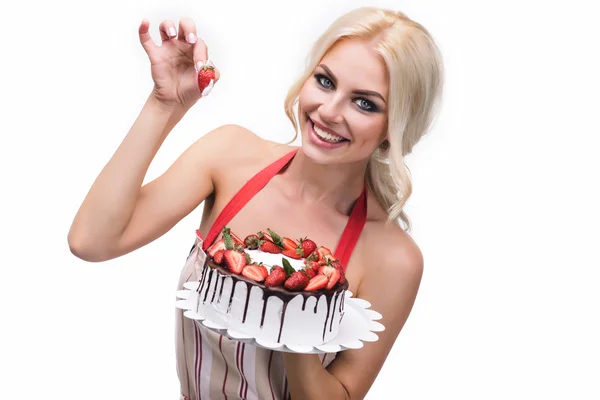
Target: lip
316,139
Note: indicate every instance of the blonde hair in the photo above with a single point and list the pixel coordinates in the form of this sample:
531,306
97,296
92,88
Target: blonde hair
415,71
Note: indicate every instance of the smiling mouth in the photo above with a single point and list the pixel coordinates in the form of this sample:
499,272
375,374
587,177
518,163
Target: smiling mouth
326,136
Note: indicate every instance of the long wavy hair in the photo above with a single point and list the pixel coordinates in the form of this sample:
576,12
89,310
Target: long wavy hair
415,68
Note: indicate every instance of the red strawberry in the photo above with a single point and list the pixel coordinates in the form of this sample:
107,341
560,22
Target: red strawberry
235,260
308,246
205,75
289,244
331,273
218,258
296,282
253,272
329,257
291,254
263,270
276,277
322,251
269,247
315,266
265,236
216,246
317,283
251,242
338,265
237,239
342,276
333,279
313,257
309,272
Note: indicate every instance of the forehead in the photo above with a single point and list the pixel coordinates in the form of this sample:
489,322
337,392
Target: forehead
357,66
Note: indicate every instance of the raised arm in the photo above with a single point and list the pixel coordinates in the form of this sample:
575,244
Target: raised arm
118,215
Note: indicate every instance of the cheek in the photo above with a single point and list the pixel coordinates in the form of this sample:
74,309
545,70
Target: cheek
310,96
368,128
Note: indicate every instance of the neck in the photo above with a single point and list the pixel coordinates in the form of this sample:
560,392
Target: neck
336,187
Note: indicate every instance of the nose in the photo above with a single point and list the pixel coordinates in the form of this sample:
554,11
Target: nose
330,111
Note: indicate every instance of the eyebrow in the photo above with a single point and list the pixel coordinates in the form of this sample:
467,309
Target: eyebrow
363,92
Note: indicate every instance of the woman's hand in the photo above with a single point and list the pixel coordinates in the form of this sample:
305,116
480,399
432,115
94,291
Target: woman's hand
173,63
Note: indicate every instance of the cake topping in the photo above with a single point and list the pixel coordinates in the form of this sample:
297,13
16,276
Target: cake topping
305,266
289,244
331,273
292,253
307,246
235,261
275,238
322,251
218,258
251,242
296,282
276,277
269,247
317,282
218,245
254,272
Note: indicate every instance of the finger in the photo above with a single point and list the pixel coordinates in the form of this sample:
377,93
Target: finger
200,53
145,38
167,30
187,31
217,72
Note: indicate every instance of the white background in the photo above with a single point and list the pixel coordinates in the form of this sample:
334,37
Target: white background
505,203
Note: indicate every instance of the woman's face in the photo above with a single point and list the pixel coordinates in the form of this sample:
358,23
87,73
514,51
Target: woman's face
343,106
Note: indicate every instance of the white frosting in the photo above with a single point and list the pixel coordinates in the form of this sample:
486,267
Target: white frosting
301,327
271,259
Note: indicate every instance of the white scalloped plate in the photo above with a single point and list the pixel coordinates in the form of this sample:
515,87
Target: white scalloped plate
358,325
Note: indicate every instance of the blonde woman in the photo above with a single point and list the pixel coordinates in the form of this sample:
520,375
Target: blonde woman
366,97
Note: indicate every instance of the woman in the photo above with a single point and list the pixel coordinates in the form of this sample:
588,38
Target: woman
367,96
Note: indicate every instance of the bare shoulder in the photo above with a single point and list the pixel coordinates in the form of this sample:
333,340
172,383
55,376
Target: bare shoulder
230,147
399,257
236,137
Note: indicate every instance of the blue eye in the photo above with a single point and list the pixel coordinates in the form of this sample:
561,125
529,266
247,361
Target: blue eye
366,105
324,81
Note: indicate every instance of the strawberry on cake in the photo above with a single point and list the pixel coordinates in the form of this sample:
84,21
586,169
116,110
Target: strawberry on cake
273,288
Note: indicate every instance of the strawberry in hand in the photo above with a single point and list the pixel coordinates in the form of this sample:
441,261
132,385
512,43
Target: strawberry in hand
176,63
206,78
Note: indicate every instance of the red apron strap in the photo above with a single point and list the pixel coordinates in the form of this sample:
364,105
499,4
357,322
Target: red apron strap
243,196
353,229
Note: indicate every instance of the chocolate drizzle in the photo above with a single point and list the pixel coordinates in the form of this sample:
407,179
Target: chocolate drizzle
215,291
248,287
328,298
262,317
207,286
283,294
304,298
202,281
334,303
221,291
281,324
231,297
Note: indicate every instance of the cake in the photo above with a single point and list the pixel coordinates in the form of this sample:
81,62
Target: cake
273,288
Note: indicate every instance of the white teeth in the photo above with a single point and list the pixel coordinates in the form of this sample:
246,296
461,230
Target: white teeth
327,136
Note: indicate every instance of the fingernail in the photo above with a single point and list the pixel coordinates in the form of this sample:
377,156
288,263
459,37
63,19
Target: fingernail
208,89
172,31
191,37
199,65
